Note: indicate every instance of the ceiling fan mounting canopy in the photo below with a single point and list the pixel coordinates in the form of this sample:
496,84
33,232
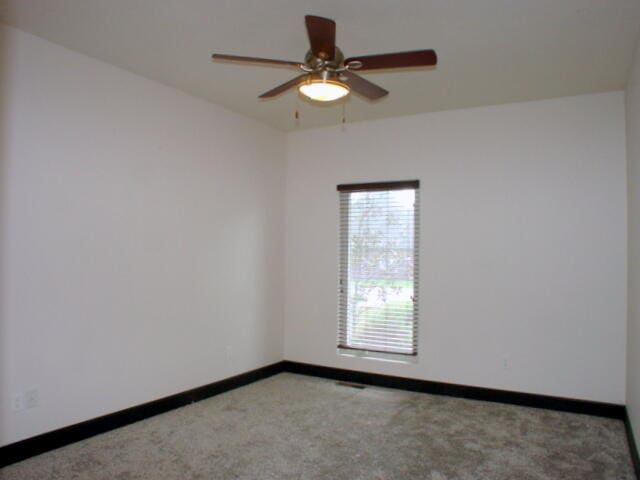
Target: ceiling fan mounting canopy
327,74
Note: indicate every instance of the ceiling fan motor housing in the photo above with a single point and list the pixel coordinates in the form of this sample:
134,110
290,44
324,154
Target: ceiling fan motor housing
317,63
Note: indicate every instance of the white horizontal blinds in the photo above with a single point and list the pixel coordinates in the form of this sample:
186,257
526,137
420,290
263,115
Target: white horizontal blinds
378,274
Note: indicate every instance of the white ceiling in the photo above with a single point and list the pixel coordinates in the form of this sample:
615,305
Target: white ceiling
490,51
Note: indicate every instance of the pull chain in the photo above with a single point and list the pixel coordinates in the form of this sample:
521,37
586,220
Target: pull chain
343,125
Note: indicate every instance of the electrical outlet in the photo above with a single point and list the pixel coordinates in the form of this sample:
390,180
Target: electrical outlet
17,402
31,398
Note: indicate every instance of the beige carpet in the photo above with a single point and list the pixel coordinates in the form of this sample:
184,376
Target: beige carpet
297,427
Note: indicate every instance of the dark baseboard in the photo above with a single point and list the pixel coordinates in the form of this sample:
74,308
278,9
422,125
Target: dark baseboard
30,447
633,448
600,409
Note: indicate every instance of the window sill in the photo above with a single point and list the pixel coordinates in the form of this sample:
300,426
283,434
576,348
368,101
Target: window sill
380,356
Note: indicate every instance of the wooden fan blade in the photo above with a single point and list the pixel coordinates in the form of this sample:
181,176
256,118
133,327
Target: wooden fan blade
322,36
416,58
284,87
268,61
362,86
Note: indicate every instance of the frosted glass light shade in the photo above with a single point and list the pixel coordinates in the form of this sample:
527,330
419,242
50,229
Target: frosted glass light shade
324,90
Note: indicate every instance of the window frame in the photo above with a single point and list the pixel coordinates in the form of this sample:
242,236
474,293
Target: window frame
343,263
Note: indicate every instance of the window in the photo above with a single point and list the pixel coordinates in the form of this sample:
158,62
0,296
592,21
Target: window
378,271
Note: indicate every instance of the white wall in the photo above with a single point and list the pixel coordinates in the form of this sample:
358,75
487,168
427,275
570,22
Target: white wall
523,242
633,176
141,234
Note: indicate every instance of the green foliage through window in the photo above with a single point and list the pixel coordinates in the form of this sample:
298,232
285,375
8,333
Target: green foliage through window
378,270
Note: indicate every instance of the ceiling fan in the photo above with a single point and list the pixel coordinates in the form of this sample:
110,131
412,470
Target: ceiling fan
327,75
